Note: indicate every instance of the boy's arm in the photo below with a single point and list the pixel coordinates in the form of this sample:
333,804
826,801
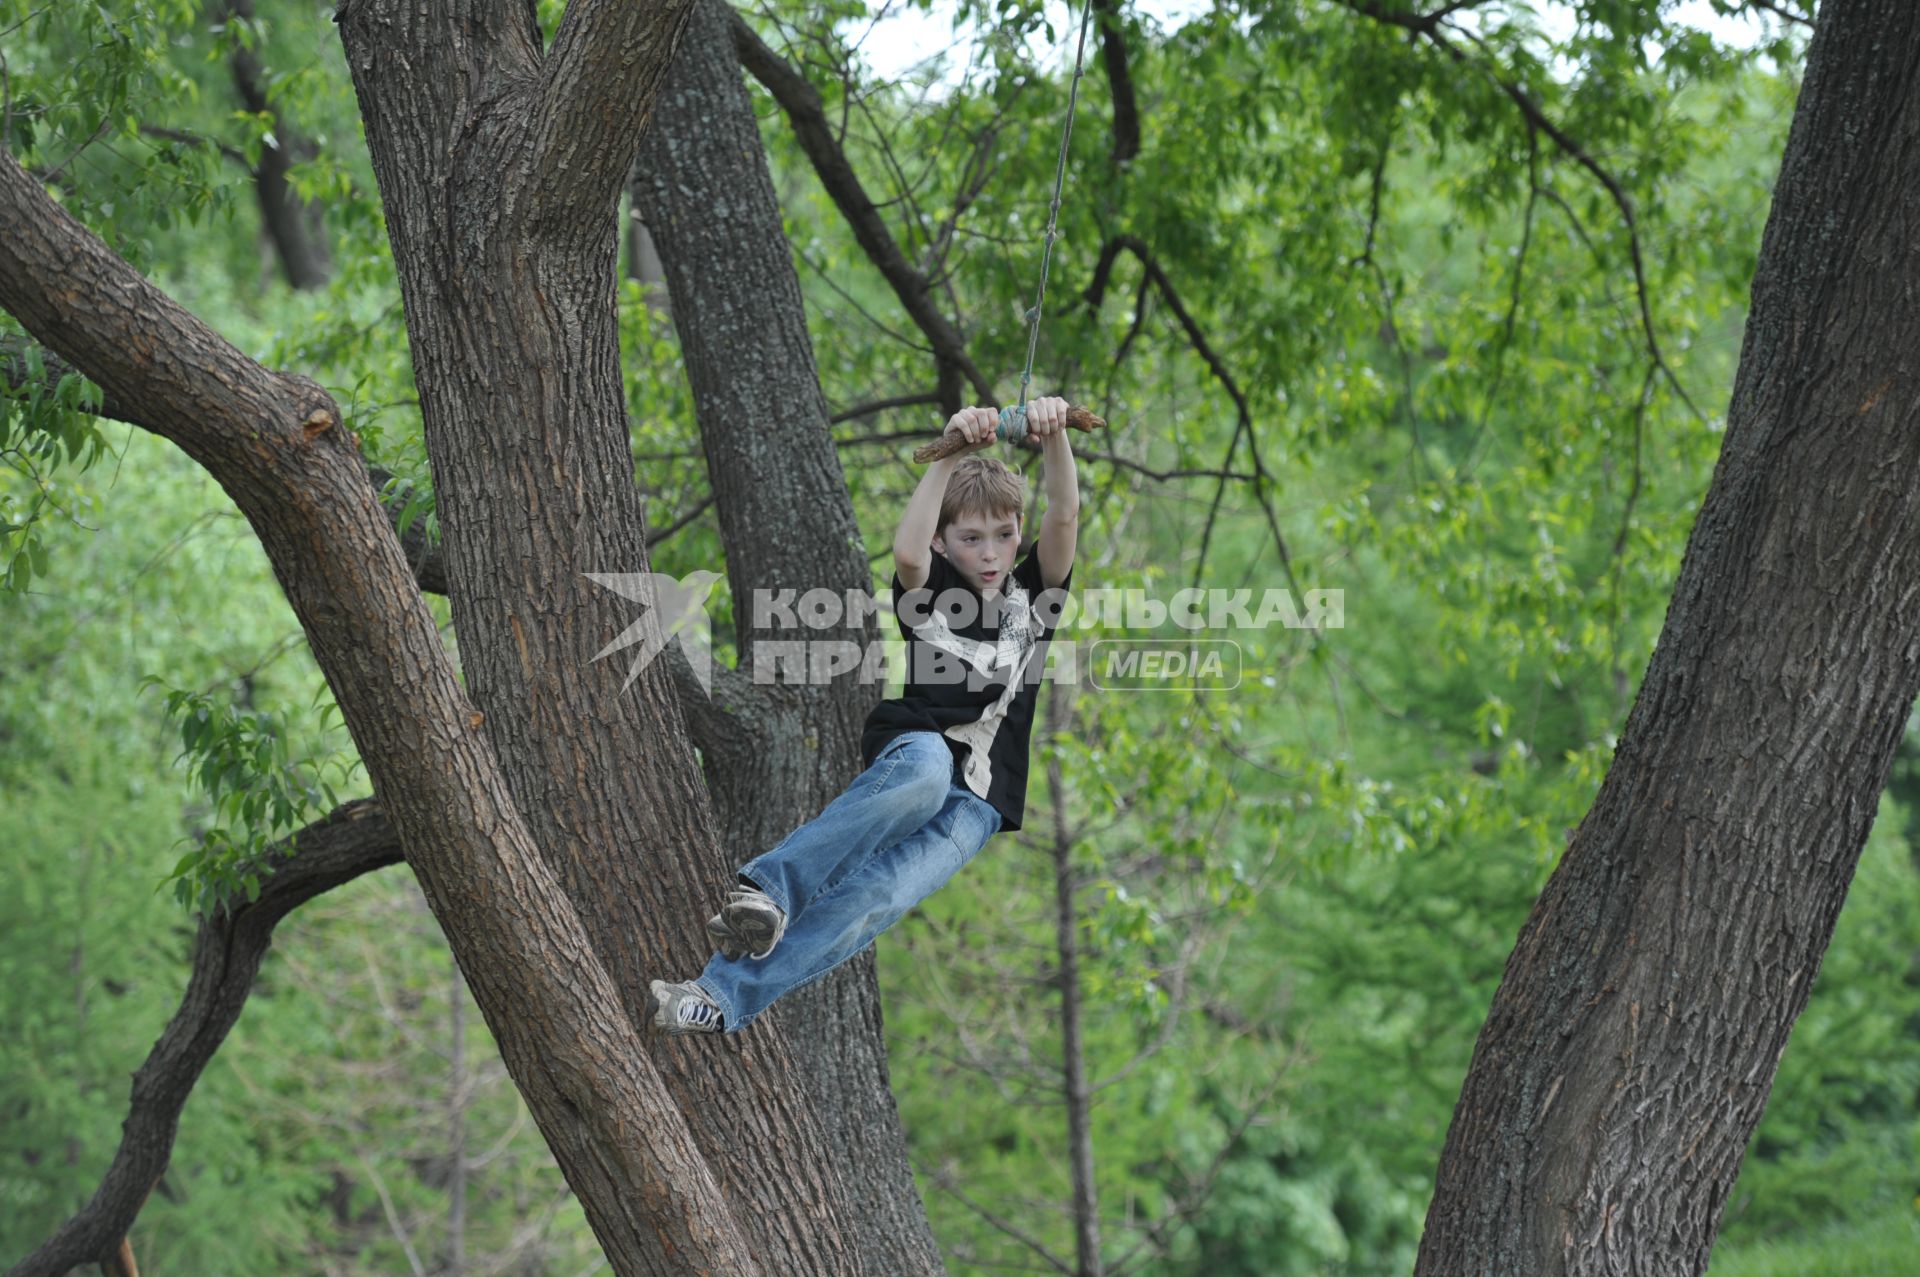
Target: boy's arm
912,540
1060,525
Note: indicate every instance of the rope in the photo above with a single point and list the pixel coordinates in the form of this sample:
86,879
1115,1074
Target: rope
1013,421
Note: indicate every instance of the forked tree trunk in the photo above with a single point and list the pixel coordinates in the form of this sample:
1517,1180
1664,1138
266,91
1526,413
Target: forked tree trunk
1634,1039
503,217
702,186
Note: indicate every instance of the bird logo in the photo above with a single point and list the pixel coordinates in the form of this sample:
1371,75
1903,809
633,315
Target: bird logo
674,605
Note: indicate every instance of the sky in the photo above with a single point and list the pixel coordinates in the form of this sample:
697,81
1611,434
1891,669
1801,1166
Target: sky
903,36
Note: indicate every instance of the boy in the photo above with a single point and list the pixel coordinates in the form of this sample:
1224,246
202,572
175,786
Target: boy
946,761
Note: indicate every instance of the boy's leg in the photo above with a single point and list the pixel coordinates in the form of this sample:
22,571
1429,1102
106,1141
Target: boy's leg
904,789
845,918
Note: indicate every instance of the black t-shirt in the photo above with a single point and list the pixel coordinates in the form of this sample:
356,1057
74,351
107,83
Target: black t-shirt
973,674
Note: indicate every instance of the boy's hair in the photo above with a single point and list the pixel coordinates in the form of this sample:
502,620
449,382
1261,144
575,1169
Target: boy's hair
984,486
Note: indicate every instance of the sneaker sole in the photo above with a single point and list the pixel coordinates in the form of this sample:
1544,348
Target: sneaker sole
751,930
723,938
659,1004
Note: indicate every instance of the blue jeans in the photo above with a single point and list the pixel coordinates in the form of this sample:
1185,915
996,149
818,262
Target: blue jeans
901,829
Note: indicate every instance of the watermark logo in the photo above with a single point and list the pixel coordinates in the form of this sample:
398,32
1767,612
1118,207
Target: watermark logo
1201,658
1164,665
676,609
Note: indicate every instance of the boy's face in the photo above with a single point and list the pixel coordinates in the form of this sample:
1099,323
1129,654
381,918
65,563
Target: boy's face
981,547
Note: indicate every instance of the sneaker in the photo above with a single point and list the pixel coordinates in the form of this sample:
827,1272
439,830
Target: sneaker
748,925
684,1008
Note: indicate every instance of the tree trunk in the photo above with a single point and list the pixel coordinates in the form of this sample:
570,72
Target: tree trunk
643,260
294,228
702,187
459,1095
500,169
1634,1039
1075,1095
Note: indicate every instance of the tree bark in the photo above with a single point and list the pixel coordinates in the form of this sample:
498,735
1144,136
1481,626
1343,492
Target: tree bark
781,753
500,170
1633,1042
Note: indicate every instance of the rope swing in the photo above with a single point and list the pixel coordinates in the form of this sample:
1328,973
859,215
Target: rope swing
1013,418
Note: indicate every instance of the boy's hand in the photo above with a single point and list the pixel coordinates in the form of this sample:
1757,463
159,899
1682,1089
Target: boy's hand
1046,416
978,426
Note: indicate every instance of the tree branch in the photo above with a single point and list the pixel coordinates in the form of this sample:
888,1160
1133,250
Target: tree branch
288,220
978,170
355,839
1513,294
1784,14
811,128
883,405
157,366
1243,412
186,138
1429,26
656,535
1126,110
424,557
948,1185
602,75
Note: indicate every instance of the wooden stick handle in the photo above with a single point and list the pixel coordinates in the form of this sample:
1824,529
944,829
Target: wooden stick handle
1078,418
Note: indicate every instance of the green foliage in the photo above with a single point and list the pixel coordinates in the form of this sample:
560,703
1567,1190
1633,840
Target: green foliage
42,427
91,973
51,425
1296,1200
1863,1246
82,76
243,764
334,1086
